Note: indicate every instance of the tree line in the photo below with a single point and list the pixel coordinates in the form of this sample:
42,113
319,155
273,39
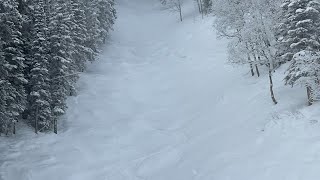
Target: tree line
271,33
204,6
44,45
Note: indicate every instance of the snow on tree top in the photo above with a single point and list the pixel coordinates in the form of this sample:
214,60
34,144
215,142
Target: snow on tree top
300,10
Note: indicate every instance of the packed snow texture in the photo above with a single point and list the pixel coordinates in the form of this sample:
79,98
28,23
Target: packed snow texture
163,104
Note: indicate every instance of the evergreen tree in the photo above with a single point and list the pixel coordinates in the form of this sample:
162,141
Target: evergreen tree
92,26
301,40
59,58
297,29
106,17
79,33
304,70
40,97
4,87
13,79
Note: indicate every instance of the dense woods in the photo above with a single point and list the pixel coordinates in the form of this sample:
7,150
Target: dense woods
44,45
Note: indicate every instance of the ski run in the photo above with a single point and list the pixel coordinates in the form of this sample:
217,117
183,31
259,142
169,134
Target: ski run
162,103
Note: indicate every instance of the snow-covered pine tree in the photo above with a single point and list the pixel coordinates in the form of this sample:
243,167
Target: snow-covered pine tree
302,40
106,15
78,34
294,27
12,76
92,25
305,71
60,61
4,87
100,16
283,53
6,118
40,96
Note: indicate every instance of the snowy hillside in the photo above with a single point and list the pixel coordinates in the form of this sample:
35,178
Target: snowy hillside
161,103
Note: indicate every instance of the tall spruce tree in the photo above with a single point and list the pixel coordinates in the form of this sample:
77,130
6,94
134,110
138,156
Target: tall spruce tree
105,16
40,96
13,63
79,33
294,28
92,25
301,39
59,58
4,88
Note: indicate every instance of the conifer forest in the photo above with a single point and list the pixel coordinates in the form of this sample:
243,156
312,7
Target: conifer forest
44,45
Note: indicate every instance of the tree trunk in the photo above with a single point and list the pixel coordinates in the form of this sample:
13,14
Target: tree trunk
36,121
14,128
256,65
180,11
309,94
271,87
201,7
257,70
251,68
55,126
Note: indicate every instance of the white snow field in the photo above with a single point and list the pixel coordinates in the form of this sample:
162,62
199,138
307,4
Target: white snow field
163,104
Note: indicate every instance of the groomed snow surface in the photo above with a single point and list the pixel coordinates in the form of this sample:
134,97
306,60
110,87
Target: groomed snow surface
163,104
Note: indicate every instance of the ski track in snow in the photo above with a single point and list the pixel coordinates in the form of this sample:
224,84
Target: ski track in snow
162,104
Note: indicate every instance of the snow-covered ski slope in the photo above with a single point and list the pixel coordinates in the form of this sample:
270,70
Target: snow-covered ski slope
162,104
